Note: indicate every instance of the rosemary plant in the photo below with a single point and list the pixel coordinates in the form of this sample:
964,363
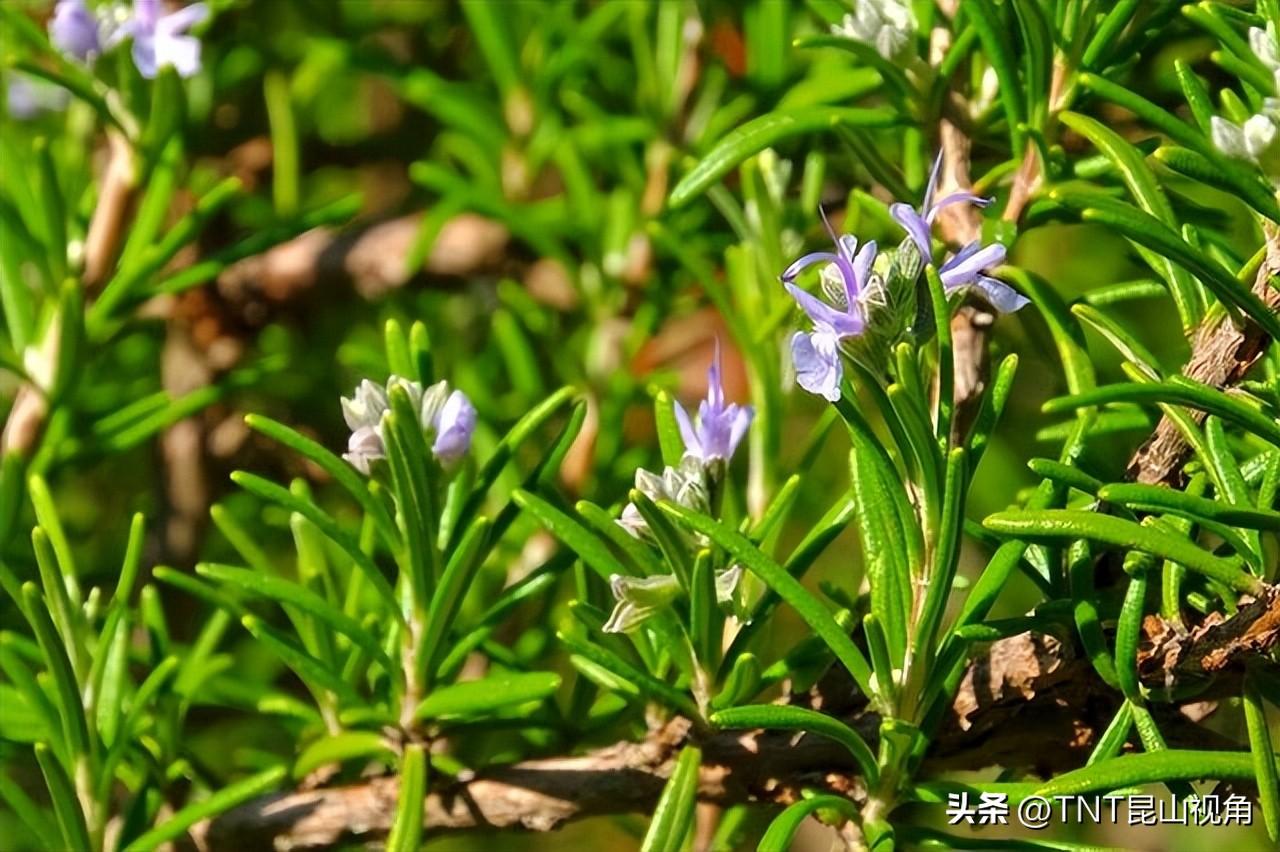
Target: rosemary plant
740,415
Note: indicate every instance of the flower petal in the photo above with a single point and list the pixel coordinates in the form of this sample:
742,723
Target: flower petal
182,20
932,186
862,268
811,259
819,311
688,433
1002,297
964,267
454,428
742,417
817,362
1228,138
957,198
182,52
916,226
144,55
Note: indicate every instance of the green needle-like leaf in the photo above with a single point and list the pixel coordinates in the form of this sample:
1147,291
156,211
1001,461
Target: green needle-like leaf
1152,767
791,718
406,831
224,800
479,697
768,130
340,748
292,594
788,588
785,825
66,808
673,815
593,552
1059,524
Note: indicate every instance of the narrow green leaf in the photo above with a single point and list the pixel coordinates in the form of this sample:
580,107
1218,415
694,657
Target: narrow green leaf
670,541
766,131
1114,737
997,46
479,697
311,671
1151,198
1158,498
1264,762
866,55
742,683
224,800
669,438
782,830
406,831
590,549
1146,230
66,807
447,597
343,473
787,587
1129,628
788,717
673,815
75,728
627,673
505,450
1054,524
292,594
1177,390
274,493
643,558
1081,565
340,748
1152,767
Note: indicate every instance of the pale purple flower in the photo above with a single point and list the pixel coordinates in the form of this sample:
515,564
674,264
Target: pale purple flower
449,417
160,39
364,447
75,31
816,354
967,268
719,427
26,96
454,424
919,223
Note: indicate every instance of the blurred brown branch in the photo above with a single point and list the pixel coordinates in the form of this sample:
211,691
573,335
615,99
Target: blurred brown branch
1030,701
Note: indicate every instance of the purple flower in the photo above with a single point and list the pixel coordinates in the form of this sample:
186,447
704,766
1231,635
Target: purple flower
160,39
74,30
719,427
919,223
816,355
450,417
364,447
454,424
27,96
966,268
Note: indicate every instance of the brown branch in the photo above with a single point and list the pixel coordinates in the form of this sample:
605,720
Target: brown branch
1221,355
370,258
541,795
119,186
1030,701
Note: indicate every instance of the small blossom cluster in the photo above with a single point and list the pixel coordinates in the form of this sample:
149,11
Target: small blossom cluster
710,440
886,25
159,39
447,416
1256,139
854,289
